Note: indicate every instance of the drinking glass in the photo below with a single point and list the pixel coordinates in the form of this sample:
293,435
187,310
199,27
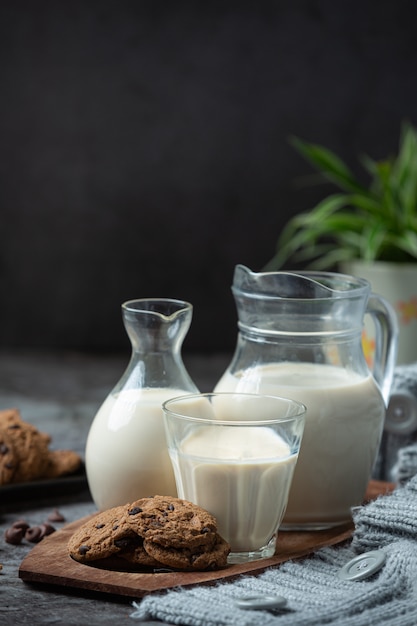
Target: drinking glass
234,454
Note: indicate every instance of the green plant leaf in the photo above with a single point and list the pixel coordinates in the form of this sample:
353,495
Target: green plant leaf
321,211
333,258
366,203
374,222
329,164
405,170
372,239
406,242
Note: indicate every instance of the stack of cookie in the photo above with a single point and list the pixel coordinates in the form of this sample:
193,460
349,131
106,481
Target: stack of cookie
156,532
25,453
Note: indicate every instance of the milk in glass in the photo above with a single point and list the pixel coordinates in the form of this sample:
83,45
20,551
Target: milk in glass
241,475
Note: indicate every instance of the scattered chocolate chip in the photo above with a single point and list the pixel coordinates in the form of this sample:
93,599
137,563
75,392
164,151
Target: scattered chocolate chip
56,516
14,426
14,535
3,448
135,510
116,526
83,550
171,507
20,529
9,465
98,526
21,524
34,534
205,530
46,529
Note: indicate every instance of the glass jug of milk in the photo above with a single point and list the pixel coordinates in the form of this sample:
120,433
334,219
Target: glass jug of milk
300,337
126,453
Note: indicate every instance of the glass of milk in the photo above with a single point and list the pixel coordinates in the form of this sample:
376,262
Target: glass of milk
234,454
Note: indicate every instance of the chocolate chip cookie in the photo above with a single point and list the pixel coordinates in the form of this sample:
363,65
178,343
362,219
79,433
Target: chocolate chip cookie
25,454
61,462
152,532
31,450
8,459
103,536
139,556
9,417
172,522
190,559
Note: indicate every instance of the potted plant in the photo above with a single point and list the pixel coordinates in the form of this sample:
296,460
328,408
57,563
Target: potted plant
368,230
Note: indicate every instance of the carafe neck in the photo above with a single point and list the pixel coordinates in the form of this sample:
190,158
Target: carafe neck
156,329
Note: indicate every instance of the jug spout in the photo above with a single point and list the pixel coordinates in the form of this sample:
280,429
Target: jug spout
299,302
281,284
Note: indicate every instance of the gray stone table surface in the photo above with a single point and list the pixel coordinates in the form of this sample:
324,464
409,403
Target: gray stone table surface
60,393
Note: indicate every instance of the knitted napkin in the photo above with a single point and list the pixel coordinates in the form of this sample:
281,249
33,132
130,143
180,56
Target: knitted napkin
315,594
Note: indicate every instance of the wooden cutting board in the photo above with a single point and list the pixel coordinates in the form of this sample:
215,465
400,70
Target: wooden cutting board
49,562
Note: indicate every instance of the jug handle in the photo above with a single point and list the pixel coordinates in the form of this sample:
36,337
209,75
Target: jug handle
386,342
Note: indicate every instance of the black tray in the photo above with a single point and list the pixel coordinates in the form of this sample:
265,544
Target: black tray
44,489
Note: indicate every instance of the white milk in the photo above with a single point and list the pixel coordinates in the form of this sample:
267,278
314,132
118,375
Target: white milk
241,476
126,452
343,426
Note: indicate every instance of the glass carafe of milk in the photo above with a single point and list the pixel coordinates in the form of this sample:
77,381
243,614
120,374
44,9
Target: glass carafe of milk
300,337
126,454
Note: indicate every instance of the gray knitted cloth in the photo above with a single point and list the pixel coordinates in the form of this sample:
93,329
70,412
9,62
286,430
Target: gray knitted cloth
314,592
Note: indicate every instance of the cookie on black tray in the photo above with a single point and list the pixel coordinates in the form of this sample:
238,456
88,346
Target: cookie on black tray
8,458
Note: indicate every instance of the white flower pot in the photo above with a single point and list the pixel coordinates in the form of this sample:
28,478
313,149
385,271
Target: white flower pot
397,283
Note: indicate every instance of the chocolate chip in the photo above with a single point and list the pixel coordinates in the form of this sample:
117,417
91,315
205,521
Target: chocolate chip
56,516
14,535
171,507
46,529
3,448
21,524
123,543
83,550
9,465
205,530
116,526
34,534
135,510
14,427
98,526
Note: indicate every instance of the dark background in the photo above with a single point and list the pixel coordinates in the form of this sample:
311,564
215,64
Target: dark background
144,148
